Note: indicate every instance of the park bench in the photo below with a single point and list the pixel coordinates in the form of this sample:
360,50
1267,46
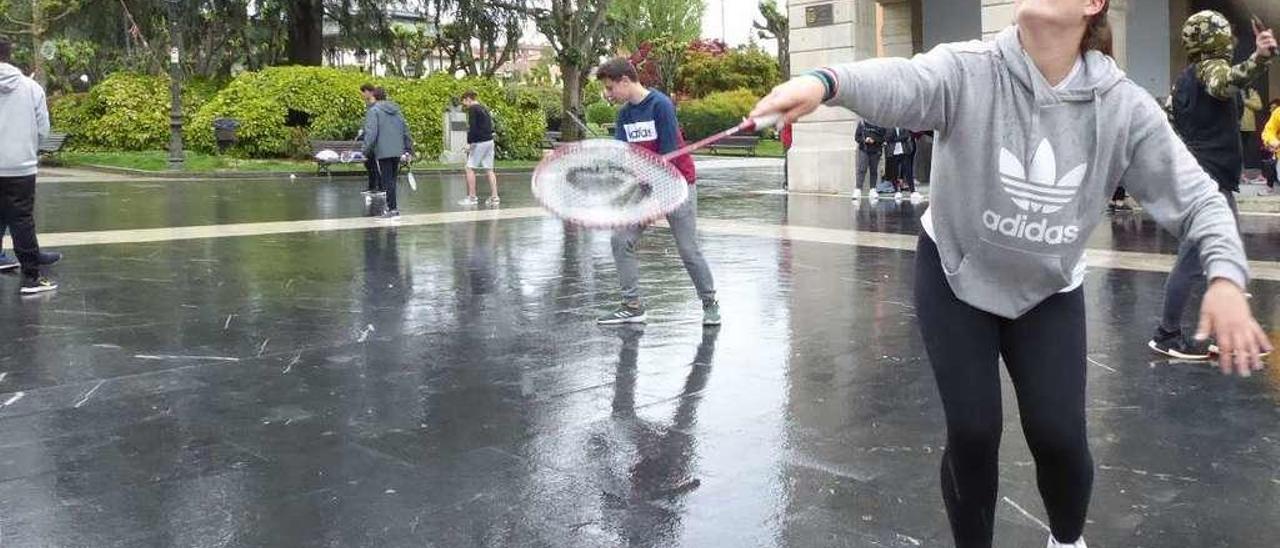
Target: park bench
747,143
551,140
346,151
52,144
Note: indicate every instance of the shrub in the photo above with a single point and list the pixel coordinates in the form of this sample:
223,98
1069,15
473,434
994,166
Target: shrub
602,113
703,73
593,93
716,112
550,101
329,100
126,111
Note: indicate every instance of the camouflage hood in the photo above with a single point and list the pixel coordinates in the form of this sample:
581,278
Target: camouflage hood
1207,35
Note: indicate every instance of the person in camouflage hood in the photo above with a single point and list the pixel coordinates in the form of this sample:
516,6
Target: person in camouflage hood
1209,42
1206,107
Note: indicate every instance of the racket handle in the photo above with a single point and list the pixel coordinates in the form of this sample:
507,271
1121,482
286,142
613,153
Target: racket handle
761,122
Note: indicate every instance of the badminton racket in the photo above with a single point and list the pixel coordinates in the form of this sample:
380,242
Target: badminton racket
603,183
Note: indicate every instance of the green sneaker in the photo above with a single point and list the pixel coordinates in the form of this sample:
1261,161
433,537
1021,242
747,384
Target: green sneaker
711,312
627,313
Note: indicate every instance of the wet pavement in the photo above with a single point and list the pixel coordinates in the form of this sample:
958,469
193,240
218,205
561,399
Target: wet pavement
443,383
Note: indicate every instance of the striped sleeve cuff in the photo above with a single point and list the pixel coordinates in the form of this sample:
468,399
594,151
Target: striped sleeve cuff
829,81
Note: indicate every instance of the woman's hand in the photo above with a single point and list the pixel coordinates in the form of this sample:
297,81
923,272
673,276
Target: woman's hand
1225,315
792,99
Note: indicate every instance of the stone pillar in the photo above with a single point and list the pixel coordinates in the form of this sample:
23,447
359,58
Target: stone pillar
822,157
996,15
897,31
1119,17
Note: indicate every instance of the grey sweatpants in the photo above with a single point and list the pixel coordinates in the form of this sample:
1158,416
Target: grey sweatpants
868,169
1187,275
684,228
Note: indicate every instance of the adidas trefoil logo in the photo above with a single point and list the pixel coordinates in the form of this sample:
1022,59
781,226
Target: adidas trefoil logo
1040,190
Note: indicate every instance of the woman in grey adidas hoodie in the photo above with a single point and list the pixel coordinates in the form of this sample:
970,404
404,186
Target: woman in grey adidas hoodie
1034,131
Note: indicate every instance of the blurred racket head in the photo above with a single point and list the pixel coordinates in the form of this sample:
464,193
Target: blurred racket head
603,183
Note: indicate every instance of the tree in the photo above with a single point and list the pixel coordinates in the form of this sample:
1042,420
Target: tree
579,37
482,35
306,31
641,21
362,22
658,63
34,18
406,55
775,27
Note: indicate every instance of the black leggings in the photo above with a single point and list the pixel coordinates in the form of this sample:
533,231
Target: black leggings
1044,352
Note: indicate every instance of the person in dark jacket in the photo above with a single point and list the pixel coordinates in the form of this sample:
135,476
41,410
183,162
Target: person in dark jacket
370,164
870,146
387,140
1206,107
480,147
900,150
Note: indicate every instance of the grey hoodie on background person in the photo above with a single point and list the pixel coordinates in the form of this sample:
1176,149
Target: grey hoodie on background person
1022,172
24,121
386,135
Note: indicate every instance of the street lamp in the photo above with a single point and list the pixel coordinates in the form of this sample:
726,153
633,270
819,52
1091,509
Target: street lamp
176,157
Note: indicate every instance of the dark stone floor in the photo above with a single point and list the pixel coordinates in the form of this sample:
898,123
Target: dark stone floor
445,385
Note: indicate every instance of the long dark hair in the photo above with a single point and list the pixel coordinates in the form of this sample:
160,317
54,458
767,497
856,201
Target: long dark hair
1097,35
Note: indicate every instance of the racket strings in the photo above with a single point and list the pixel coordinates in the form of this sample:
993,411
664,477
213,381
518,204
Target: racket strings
608,183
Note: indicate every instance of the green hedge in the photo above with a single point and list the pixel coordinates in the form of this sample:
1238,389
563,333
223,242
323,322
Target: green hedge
714,113
602,113
702,73
330,98
125,111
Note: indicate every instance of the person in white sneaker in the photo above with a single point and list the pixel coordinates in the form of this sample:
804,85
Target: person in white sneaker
480,149
24,117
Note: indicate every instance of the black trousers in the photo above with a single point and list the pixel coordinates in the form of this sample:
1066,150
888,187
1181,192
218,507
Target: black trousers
371,167
388,170
1044,352
17,214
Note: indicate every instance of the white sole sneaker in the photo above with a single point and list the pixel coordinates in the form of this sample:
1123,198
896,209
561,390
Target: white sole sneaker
36,290
857,194
1175,354
619,321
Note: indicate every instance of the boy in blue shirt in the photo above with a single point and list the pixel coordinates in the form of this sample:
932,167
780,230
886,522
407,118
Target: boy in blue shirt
648,119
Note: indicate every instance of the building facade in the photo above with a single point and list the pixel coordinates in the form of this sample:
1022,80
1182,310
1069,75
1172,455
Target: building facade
826,32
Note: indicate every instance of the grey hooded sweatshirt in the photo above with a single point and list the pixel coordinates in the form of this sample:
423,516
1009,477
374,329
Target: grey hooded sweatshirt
24,120
1021,172
386,135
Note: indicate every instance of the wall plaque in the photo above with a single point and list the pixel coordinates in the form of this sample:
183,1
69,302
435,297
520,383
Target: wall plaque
818,15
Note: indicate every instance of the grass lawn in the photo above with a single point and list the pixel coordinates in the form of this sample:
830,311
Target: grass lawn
158,160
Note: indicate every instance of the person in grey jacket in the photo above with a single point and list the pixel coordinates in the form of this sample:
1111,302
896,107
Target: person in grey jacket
1033,131
387,140
24,121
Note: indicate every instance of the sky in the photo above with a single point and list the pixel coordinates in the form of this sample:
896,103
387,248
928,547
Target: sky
737,17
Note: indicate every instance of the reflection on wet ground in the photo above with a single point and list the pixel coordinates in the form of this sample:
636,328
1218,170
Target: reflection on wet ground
443,384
